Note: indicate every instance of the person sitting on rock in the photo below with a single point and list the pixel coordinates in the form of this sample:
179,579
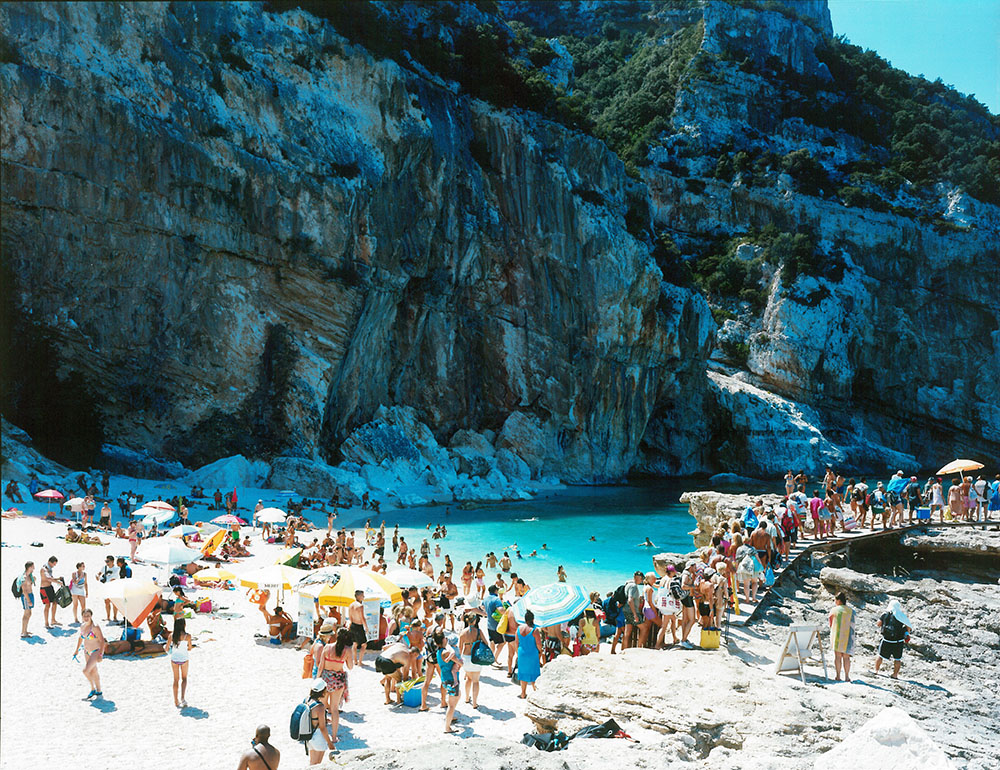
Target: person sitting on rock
13,492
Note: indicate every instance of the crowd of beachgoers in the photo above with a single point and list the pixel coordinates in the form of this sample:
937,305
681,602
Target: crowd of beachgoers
439,627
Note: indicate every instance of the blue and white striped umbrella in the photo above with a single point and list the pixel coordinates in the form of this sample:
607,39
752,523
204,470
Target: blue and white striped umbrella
552,604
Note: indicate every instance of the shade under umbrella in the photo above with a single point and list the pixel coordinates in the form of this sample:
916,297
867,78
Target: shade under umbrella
159,505
273,576
167,551
335,586
183,530
134,597
553,604
957,466
271,515
410,578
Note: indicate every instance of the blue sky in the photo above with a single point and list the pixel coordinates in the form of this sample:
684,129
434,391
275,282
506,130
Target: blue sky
956,40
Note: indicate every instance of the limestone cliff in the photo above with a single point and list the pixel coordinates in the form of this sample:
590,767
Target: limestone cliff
244,233
249,234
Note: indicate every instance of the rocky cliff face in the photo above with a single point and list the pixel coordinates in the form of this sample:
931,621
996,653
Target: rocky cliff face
249,235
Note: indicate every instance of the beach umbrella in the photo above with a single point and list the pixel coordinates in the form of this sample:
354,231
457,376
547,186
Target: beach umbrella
75,504
228,518
273,576
49,495
214,542
271,515
407,578
957,466
214,574
335,586
553,603
183,530
151,516
167,551
159,505
134,597
289,556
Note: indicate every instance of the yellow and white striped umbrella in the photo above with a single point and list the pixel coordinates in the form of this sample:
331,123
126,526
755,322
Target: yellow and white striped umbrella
335,586
273,576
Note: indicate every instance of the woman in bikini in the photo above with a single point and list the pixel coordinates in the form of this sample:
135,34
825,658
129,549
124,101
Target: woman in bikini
94,644
480,580
334,664
467,573
179,647
466,640
78,589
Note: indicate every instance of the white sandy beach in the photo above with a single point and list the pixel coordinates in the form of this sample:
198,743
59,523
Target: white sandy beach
235,683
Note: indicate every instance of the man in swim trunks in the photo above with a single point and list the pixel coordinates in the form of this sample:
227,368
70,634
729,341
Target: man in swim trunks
493,605
47,590
761,542
394,659
359,627
633,613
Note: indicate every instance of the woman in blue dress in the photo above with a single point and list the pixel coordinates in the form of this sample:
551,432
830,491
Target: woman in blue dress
529,644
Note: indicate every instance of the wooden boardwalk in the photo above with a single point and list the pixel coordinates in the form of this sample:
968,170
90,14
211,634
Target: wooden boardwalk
805,546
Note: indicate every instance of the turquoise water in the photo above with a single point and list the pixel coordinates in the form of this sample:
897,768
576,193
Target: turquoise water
619,518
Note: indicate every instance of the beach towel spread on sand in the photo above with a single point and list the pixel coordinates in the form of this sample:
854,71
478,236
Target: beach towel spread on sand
842,629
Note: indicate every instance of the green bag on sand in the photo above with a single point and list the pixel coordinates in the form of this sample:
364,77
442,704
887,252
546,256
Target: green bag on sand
63,597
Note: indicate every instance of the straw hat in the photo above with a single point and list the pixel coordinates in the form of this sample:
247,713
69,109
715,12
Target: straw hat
328,626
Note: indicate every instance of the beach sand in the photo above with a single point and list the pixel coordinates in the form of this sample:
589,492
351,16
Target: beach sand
235,683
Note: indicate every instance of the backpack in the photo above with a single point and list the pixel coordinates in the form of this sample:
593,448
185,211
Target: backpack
16,589
301,725
892,628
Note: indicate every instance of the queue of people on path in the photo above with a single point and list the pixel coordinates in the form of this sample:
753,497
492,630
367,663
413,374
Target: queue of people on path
848,503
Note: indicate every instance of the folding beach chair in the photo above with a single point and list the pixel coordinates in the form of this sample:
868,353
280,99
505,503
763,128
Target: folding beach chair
797,651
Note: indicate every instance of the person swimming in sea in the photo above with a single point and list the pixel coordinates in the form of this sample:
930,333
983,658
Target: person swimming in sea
648,544
592,561
593,539
544,547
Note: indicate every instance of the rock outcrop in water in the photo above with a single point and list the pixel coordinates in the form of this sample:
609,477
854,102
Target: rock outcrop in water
247,235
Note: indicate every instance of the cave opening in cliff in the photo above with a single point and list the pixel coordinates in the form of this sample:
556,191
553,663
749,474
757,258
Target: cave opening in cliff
60,414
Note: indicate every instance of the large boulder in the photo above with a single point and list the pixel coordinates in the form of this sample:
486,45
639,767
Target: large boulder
712,508
235,471
376,441
315,478
470,461
522,434
472,440
512,466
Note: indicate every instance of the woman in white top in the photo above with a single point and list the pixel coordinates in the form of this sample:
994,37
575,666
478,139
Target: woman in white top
179,647
78,589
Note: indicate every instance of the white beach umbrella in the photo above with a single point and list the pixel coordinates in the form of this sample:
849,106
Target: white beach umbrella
183,530
158,505
271,515
75,504
166,551
151,516
410,578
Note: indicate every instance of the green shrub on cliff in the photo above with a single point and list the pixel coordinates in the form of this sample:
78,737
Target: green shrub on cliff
932,132
627,85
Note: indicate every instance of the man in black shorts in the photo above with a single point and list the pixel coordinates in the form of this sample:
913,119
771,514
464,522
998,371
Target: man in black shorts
359,627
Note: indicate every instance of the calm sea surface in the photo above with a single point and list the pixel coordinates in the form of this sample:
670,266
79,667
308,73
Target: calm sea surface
618,518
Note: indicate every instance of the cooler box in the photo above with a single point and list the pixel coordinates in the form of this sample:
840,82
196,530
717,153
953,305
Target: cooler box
923,514
411,691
